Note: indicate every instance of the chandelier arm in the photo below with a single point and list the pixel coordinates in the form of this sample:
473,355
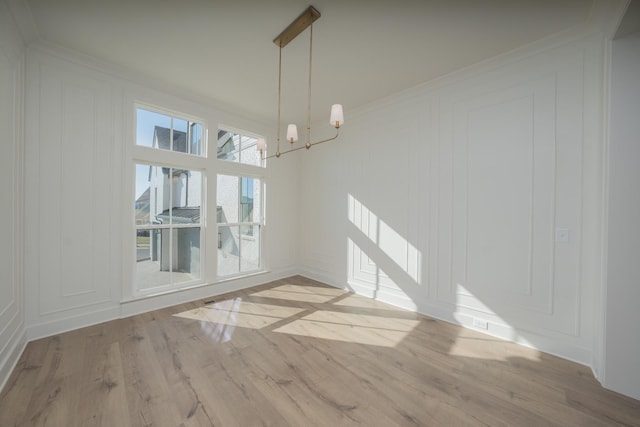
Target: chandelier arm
304,146
285,152
326,140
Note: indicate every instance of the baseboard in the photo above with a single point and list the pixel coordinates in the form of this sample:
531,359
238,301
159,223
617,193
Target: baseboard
143,305
449,314
324,277
70,323
10,360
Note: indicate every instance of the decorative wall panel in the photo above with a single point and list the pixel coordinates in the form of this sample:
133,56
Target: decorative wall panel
71,170
456,192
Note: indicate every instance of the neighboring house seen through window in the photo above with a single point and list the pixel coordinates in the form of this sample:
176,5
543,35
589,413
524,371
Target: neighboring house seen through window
172,173
237,148
168,203
165,132
239,214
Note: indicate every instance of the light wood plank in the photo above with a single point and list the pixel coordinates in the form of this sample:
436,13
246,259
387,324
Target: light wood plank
297,352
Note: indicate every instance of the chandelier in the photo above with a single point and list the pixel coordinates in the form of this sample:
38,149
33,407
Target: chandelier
336,118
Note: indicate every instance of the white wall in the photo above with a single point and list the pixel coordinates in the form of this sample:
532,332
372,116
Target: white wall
79,193
622,347
446,199
12,329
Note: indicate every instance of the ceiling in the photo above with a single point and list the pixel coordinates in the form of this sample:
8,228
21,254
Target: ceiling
631,20
363,49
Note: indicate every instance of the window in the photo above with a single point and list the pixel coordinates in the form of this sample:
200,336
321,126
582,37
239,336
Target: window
238,148
239,207
178,241
168,202
164,132
246,199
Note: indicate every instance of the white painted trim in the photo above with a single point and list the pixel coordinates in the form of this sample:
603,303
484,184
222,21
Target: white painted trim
598,363
23,18
9,363
165,88
133,307
578,34
567,351
70,323
12,330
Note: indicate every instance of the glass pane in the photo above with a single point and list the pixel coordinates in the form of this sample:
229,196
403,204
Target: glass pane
147,122
234,147
228,146
186,256
249,247
186,197
227,199
168,133
195,138
249,153
143,195
228,250
159,197
179,135
152,258
250,204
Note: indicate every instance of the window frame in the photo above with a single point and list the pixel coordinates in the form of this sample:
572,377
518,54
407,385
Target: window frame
207,164
190,120
152,156
241,133
172,227
261,223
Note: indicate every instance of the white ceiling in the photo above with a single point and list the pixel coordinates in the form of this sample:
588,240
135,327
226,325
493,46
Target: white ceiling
363,49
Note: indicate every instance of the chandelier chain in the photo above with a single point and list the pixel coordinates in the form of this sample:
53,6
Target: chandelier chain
309,93
279,97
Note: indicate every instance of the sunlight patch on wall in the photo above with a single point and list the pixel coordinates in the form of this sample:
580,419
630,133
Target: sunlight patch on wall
375,245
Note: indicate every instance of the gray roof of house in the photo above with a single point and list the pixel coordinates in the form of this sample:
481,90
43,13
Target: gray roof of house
181,215
163,136
144,197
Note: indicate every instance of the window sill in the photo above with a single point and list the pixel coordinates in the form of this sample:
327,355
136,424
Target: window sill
188,287
223,279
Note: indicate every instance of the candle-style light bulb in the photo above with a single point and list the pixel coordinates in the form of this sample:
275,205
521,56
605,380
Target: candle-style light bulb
337,117
292,133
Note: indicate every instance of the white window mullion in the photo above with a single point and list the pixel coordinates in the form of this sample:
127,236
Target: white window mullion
239,213
170,210
171,136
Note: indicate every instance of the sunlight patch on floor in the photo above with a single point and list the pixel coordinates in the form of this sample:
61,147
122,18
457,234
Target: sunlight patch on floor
477,345
308,290
349,327
240,313
282,293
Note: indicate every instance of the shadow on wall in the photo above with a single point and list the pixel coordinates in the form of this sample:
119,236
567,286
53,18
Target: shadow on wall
477,292
378,254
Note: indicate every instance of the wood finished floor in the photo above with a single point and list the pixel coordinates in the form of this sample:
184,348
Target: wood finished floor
296,352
